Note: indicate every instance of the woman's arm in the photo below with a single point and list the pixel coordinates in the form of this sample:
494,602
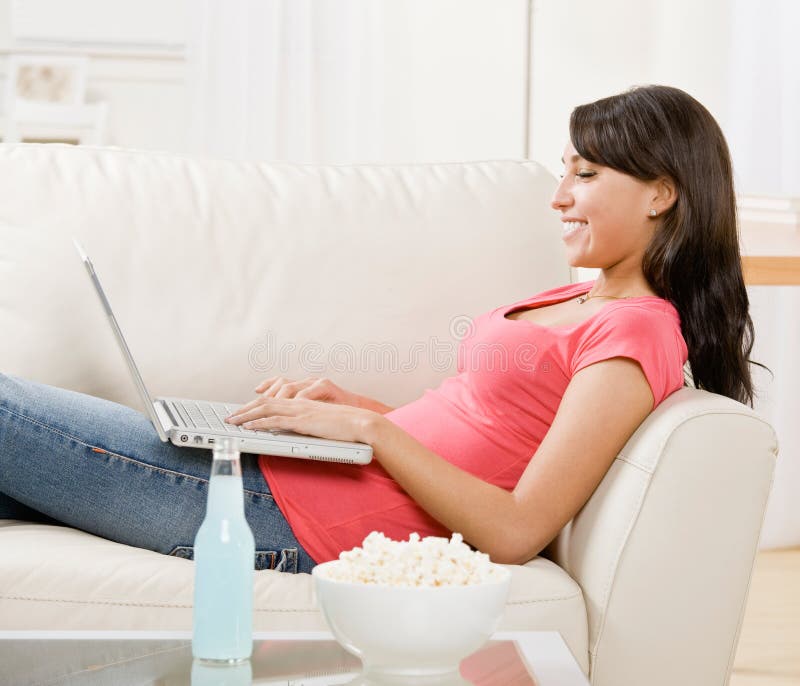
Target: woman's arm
371,404
601,408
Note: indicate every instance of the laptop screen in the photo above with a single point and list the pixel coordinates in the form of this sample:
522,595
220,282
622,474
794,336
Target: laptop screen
123,346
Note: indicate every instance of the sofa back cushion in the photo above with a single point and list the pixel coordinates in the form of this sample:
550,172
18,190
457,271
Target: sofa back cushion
223,273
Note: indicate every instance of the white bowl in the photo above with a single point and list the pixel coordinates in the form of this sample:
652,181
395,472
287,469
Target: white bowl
411,630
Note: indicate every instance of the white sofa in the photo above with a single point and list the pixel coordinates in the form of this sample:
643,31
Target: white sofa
225,263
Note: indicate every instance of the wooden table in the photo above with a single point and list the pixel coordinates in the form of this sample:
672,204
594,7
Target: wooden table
771,270
770,240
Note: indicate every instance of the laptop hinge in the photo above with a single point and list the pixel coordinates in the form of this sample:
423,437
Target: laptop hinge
163,419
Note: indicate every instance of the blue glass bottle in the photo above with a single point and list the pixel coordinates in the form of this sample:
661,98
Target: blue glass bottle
224,555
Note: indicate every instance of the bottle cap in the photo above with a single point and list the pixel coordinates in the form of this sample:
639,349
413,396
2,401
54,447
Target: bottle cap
226,449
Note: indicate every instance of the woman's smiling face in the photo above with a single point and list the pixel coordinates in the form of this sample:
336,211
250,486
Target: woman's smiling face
604,213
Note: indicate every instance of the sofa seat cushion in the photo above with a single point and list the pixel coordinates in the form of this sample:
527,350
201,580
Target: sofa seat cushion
59,577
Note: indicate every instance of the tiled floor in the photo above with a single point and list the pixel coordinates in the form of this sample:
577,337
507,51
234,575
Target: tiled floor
769,645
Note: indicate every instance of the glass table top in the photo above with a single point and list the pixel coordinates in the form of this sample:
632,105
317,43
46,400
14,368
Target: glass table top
37,658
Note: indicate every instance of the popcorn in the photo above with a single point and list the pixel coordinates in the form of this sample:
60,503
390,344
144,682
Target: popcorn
431,562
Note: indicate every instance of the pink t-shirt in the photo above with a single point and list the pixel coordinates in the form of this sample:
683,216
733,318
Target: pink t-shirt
488,419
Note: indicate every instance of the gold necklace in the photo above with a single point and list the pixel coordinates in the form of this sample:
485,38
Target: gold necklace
583,298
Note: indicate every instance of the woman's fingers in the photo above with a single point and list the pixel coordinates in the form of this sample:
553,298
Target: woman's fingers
281,387
249,407
244,408
310,392
291,389
274,387
265,384
303,416
274,422
316,389
263,408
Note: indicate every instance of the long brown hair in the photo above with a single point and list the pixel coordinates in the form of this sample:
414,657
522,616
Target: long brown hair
693,259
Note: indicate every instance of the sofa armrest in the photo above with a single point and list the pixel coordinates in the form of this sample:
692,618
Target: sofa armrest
664,549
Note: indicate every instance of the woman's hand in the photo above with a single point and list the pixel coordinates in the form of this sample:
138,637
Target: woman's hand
310,417
311,388
318,388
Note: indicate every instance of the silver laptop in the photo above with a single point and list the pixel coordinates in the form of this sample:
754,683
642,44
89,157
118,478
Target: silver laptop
199,423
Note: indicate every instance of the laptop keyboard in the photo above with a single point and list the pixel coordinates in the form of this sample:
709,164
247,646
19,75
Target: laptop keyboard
206,415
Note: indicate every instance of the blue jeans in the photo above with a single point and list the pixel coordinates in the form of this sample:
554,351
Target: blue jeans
69,458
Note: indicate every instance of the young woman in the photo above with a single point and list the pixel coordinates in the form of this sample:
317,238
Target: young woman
506,458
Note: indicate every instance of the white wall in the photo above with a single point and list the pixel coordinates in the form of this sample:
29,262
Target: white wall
5,22
144,83
146,96
459,98
457,70
144,24
584,50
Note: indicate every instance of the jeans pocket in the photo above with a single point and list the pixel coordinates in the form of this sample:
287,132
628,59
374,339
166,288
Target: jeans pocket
285,560
289,561
185,552
278,561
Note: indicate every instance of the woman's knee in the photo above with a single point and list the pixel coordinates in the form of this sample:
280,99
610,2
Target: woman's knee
14,509
7,387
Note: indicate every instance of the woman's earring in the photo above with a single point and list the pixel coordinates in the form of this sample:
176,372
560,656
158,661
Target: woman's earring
653,213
